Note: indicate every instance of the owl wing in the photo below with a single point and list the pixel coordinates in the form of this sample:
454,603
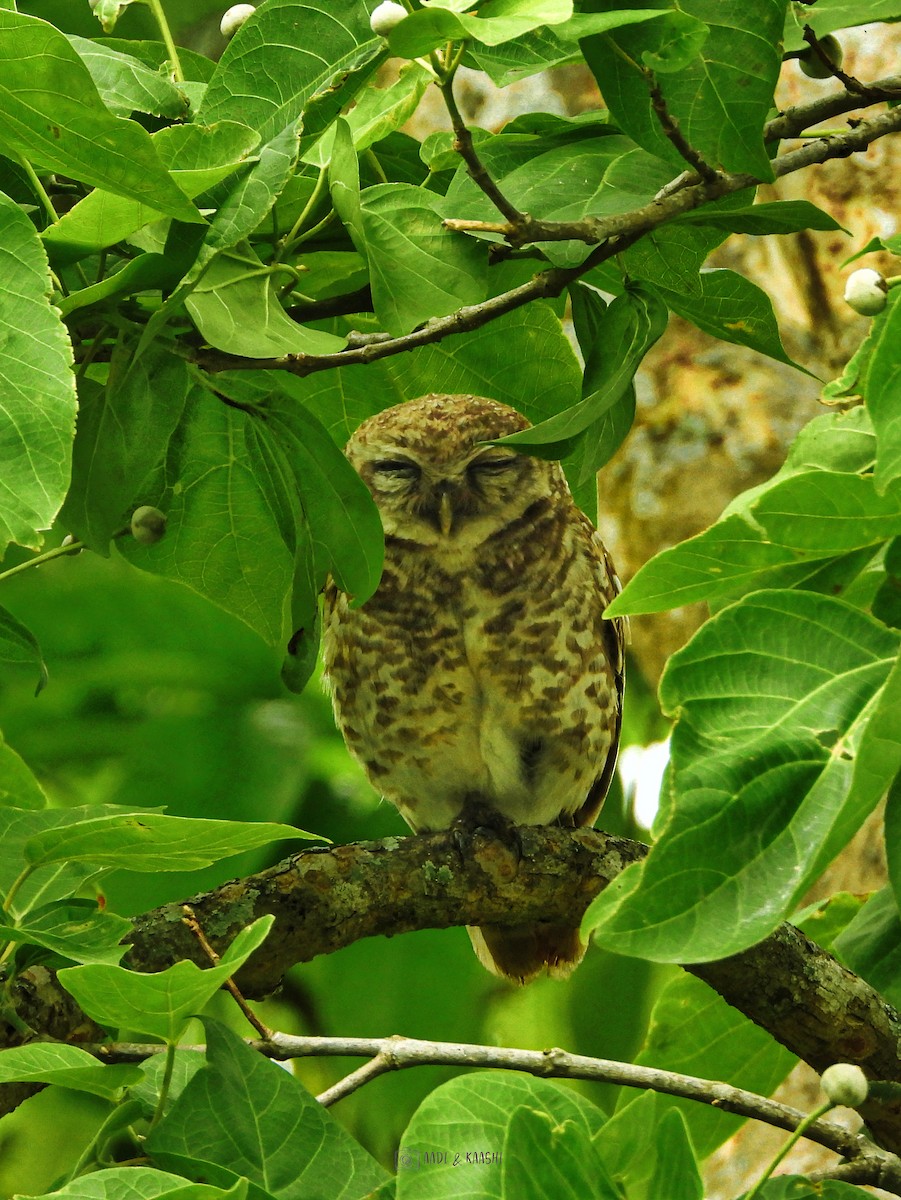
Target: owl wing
616,636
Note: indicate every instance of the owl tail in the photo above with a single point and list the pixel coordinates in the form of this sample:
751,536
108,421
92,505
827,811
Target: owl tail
519,953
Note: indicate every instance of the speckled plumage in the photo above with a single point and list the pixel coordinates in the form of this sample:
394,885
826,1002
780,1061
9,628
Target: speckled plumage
482,668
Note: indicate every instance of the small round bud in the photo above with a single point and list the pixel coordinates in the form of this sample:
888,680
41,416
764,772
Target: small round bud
866,291
811,63
234,18
71,540
385,16
148,525
845,1084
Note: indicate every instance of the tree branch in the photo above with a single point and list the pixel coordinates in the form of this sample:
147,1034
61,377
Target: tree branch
324,899
397,1053
611,234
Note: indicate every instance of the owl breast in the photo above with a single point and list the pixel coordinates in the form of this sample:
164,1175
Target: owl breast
482,671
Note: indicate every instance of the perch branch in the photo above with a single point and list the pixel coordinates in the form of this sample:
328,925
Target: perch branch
324,899
614,234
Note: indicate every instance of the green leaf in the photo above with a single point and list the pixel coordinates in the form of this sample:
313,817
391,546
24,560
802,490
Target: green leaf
151,841
18,786
734,309
741,551
543,1157
344,184
147,272
676,1175
429,28
197,157
796,1187
789,707
79,931
831,15
19,646
123,432
377,113
474,1114
37,390
225,537
51,112
126,85
693,1031
871,944
236,307
288,53
140,1183
67,1066
159,1004
720,99
782,216
418,269
881,391
294,1149
630,325
893,838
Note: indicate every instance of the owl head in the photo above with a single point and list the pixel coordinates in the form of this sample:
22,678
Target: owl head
434,479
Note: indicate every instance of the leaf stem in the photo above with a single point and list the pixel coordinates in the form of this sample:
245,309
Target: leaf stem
56,552
171,1047
288,240
159,14
803,1126
36,186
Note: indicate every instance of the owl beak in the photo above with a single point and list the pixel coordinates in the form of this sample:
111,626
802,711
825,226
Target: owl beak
445,513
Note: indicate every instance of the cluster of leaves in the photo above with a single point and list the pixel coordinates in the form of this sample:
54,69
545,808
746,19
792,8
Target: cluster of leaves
191,253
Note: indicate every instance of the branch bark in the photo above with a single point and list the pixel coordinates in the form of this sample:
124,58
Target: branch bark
610,235
324,899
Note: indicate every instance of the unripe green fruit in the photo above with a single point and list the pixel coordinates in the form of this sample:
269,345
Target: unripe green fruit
845,1083
148,525
811,63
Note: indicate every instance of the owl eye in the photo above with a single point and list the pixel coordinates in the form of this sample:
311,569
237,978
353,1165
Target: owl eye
493,466
403,468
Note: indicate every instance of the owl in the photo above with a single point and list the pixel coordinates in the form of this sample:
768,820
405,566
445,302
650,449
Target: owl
482,671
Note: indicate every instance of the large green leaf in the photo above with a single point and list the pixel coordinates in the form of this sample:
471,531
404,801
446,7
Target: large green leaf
37,390
51,113
151,841
197,156
821,504
230,532
235,305
127,85
140,1183
429,28
287,53
720,99
68,1066
19,646
871,943
18,786
79,931
731,308
831,15
881,387
123,432
788,733
159,1004
459,1137
694,1031
293,1148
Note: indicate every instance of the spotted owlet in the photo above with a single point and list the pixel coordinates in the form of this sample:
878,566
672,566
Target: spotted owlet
482,670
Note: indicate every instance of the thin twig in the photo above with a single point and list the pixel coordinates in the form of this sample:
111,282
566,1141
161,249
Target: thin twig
190,919
476,169
617,232
850,83
344,1087
674,134
399,1053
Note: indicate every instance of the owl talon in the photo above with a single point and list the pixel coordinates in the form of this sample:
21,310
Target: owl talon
480,820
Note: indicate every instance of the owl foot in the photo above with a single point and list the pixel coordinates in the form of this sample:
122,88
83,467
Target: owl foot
479,819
